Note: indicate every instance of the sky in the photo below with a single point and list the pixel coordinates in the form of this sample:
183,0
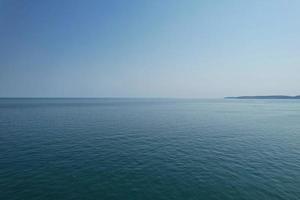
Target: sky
149,48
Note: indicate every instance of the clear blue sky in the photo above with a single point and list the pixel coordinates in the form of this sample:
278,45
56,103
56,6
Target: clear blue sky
149,48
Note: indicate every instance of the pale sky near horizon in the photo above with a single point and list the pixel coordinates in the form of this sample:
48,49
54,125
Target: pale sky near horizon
149,48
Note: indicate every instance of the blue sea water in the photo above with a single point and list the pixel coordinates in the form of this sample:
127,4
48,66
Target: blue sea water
149,149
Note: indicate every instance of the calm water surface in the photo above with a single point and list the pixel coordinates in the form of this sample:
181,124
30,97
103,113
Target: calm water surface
149,149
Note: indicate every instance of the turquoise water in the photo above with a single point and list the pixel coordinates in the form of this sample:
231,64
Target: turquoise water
149,149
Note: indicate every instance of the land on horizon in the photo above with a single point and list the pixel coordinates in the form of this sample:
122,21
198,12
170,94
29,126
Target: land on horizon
265,97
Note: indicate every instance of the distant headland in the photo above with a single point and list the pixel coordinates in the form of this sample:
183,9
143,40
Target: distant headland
265,97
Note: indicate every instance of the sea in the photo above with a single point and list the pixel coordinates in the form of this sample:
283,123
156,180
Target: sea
149,149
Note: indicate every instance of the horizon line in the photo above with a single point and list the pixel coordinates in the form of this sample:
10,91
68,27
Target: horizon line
110,97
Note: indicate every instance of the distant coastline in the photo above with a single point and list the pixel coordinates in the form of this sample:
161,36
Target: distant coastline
265,97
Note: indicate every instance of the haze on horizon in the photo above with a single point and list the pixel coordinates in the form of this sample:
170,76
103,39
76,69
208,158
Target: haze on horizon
151,48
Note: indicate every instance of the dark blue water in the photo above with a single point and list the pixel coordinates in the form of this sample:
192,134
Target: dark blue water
149,149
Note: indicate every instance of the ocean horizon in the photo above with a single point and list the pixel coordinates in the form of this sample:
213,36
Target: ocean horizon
106,100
